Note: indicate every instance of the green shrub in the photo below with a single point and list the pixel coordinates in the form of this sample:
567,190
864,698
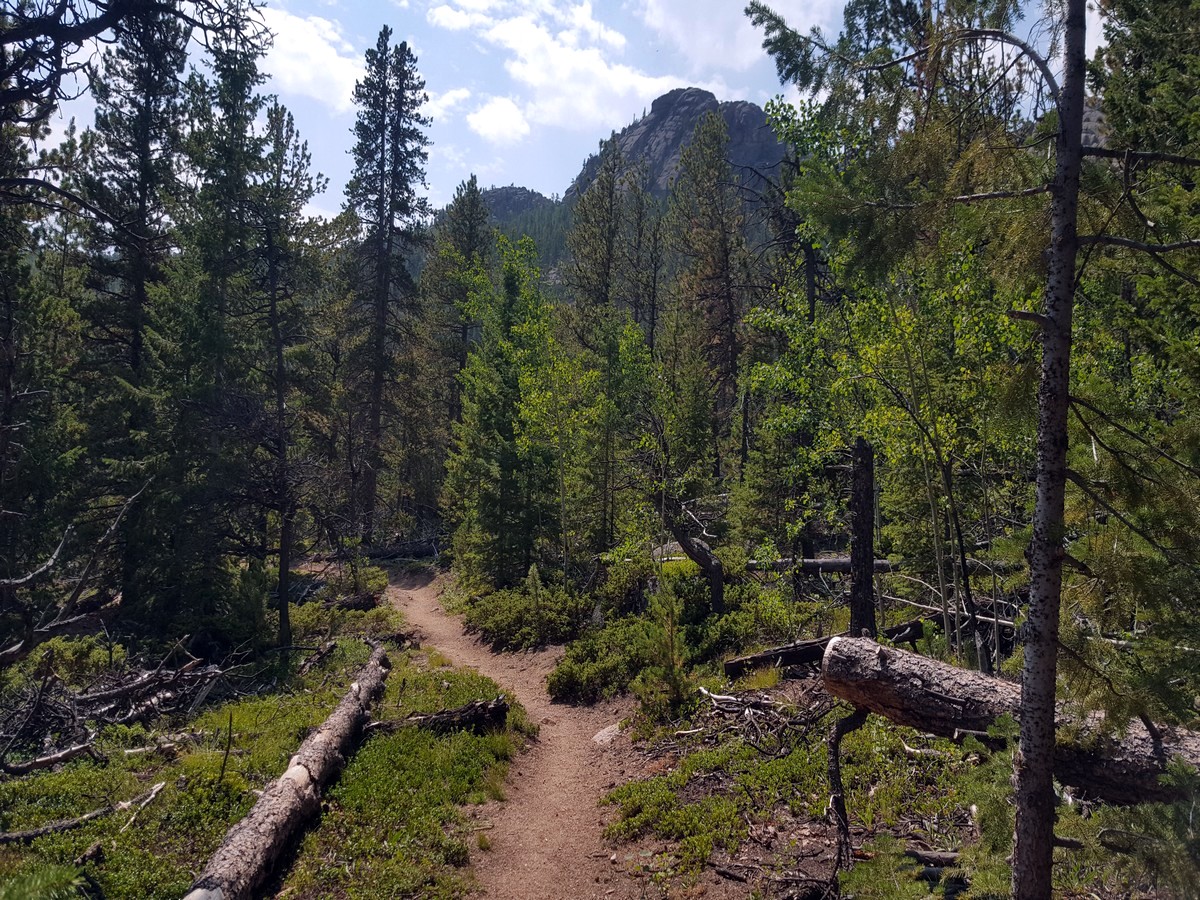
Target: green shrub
45,882
602,663
525,617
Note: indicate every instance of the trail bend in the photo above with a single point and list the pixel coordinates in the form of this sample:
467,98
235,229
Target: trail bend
547,836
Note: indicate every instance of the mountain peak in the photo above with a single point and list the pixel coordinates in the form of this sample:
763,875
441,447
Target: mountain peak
658,138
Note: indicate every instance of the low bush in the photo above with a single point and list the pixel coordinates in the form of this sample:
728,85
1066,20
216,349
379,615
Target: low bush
521,618
391,826
602,663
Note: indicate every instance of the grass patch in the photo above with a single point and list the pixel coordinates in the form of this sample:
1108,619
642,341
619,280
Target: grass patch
392,817
392,820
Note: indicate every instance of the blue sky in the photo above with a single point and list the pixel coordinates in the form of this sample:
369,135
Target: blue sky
521,91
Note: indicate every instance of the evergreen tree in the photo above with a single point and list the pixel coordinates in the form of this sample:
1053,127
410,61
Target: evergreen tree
500,485
389,167
131,174
284,272
205,519
715,287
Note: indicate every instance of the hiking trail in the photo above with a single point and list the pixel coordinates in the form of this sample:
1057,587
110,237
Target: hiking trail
546,837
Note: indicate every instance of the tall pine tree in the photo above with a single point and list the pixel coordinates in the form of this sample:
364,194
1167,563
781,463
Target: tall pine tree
389,168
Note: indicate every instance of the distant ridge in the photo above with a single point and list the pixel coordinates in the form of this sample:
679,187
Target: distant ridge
508,203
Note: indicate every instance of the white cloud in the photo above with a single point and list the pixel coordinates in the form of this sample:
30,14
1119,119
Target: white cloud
1095,29
572,84
499,121
439,106
717,33
564,63
311,57
453,19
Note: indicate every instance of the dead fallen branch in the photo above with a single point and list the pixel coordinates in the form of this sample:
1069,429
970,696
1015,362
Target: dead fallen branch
251,848
479,716
317,658
50,760
25,837
771,727
944,700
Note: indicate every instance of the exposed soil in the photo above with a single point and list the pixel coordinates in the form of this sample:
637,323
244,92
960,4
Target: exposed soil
546,839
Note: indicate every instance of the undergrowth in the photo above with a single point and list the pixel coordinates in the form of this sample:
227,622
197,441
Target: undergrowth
391,826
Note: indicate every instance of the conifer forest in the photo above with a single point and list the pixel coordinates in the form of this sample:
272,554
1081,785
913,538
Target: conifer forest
825,529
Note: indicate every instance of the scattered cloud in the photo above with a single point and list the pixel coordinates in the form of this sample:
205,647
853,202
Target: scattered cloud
564,61
454,19
499,121
717,34
311,57
440,106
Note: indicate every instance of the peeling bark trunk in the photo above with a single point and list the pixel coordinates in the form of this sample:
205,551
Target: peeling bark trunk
251,848
945,700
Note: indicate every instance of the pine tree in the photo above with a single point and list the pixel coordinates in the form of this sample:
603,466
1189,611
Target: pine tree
715,286
500,485
284,272
131,174
389,167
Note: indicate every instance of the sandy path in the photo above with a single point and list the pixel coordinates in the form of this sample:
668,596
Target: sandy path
546,838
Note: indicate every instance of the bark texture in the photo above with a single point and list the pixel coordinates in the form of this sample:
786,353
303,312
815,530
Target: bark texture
862,546
1033,849
948,701
803,653
251,848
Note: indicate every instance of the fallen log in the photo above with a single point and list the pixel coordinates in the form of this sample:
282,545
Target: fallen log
944,700
830,565
251,848
810,652
478,716
50,760
362,601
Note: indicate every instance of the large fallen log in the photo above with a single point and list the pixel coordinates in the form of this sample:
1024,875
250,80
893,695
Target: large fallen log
822,566
810,652
251,848
944,700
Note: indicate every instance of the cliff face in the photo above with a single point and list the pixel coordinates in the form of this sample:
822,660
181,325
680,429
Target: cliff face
659,137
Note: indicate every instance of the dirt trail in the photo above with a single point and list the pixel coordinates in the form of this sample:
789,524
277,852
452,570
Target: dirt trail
546,838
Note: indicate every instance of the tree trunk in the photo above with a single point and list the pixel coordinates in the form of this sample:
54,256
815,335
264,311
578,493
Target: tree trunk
837,793
862,543
1033,851
951,702
809,652
252,847
702,555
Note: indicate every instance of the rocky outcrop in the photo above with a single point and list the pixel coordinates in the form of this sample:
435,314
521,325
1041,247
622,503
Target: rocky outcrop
507,203
658,139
